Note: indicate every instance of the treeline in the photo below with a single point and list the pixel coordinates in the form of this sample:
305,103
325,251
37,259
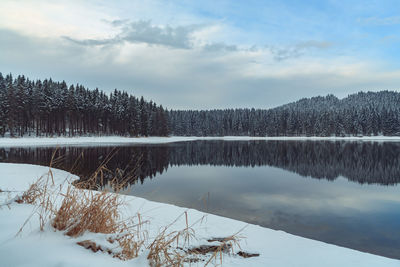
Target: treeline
367,114
52,108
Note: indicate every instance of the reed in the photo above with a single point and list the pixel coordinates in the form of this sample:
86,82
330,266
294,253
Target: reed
77,210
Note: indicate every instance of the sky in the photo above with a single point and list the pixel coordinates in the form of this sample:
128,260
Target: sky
206,54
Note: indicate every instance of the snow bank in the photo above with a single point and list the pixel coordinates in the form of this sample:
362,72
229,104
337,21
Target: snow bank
118,140
50,248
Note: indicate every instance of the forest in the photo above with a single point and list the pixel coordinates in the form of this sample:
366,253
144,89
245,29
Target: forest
361,114
49,108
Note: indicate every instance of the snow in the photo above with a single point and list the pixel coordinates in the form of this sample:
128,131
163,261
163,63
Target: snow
51,248
114,140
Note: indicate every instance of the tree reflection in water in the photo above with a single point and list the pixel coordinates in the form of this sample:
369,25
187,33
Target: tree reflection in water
362,162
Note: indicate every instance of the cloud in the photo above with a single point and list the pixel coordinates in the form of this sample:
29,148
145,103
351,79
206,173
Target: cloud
314,44
189,78
383,21
285,53
389,39
91,42
43,18
119,22
186,57
297,50
143,31
217,47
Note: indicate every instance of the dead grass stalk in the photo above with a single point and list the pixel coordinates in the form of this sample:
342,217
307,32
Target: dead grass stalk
76,210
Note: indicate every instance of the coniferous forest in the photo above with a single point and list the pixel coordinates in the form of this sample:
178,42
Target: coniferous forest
361,114
49,108
54,108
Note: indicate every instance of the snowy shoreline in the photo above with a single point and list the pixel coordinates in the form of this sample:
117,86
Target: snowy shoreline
118,140
276,248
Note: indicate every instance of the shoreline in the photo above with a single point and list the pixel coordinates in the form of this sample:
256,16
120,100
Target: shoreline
276,248
119,140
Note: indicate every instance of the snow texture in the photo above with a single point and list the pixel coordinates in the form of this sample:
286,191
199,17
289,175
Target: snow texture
51,248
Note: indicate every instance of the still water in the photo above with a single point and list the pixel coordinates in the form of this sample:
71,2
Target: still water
344,193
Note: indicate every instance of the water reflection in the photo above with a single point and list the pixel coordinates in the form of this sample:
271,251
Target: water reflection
263,182
362,217
362,162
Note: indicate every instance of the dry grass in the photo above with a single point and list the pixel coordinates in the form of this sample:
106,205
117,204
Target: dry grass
226,246
44,194
161,251
99,212
99,179
83,211
39,190
76,211
34,192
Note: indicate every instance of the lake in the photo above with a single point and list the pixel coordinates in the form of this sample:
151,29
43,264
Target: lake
339,192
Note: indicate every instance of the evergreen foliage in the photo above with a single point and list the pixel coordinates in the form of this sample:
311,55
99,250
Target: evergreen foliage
361,114
52,108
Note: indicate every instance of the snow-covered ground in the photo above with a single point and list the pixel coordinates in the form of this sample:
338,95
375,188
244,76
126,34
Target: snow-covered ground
113,140
50,248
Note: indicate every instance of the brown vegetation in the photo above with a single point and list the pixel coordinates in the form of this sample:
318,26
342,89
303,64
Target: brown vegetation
76,211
